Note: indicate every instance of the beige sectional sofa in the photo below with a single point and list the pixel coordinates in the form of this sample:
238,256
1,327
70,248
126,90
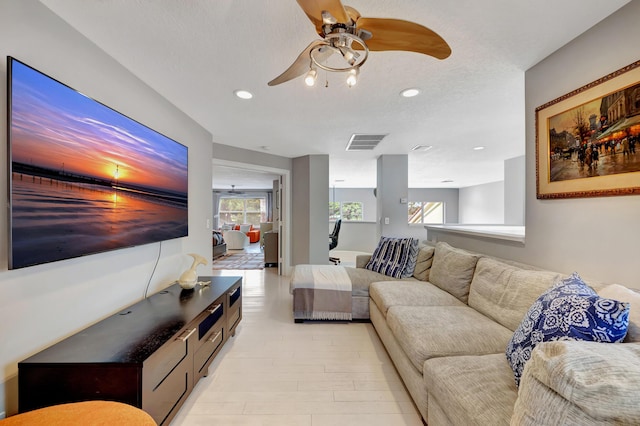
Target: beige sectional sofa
447,338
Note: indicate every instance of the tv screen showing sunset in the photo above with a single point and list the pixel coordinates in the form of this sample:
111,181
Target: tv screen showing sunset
85,178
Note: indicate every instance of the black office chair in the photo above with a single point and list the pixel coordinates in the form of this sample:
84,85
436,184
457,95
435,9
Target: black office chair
333,241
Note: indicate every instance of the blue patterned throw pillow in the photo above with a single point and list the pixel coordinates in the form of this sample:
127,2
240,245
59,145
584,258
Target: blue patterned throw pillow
391,256
569,310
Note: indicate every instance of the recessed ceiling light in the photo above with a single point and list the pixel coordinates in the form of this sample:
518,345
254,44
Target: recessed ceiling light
478,148
339,180
421,148
243,94
410,93
447,181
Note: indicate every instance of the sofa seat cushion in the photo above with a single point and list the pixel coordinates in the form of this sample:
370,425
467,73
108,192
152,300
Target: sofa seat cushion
504,292
361,279
386,294
425,332
476,390
452,270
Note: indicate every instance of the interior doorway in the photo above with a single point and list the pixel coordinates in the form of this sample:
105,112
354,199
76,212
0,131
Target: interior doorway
253,179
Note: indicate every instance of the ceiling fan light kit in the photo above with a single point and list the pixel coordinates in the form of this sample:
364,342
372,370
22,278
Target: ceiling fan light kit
350,37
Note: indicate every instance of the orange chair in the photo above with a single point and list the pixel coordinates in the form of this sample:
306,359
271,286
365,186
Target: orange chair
254,235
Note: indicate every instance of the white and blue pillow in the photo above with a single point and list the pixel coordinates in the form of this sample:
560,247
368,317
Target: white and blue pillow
569,310
392,256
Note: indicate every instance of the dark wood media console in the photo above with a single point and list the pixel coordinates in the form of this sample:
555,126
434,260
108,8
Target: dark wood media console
149,355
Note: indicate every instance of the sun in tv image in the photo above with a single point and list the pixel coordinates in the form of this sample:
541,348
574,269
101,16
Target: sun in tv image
85,178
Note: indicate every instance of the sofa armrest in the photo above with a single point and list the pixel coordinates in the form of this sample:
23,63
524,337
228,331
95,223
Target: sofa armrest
362,260
580,382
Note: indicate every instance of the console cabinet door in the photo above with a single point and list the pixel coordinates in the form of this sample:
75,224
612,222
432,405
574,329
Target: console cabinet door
234,311
211,335
167,377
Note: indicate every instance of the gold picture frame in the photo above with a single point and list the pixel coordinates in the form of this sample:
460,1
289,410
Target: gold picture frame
588,141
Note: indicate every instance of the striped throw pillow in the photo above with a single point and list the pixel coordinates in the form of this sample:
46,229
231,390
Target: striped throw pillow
392,256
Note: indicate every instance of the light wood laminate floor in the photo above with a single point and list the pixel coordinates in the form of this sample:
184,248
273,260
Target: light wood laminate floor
276,372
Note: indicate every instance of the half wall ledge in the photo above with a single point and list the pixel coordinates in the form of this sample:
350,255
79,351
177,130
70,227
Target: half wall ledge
499,232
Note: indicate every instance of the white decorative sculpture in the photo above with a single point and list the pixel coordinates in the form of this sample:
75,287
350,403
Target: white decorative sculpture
189,278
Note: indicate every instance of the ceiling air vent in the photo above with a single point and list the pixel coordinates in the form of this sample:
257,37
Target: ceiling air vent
360,142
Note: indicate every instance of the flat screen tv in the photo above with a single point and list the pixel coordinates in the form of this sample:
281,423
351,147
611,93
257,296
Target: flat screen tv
84,178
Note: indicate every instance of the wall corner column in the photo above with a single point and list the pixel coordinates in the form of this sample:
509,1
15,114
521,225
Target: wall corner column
392,195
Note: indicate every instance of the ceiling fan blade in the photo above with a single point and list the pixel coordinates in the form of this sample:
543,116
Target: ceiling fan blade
313,9
353,13
396,34
300,66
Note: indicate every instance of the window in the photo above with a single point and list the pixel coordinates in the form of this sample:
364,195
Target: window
334,210
352,210
242,210
347,210
426,212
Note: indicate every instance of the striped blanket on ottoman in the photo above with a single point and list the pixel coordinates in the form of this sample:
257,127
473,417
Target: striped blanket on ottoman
321,292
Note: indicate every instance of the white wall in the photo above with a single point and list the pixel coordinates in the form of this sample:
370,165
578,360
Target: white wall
514,190
594,236
42,304
497,202
482,204
248,157
363,195
357,236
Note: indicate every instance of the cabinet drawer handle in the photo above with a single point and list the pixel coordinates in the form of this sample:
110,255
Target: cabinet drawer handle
215,308
214,338
234,291
184,338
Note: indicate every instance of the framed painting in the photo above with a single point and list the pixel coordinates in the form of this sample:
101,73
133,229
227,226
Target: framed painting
588,141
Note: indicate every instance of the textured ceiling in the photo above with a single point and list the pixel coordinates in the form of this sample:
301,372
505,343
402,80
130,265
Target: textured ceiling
197,52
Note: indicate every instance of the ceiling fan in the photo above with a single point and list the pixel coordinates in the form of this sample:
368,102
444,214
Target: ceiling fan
233,191
350,37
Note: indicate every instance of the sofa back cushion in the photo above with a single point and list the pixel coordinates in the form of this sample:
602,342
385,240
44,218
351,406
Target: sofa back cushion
504,292
452,270
423,263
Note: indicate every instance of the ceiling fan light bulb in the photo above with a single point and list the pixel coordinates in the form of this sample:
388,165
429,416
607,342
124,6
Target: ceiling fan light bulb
349,56
352,78
310,78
